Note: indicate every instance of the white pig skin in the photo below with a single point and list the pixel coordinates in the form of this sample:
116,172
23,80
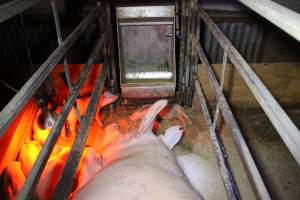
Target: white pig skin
139,166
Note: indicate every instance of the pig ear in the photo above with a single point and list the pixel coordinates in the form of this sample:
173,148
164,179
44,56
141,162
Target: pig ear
172,136
108,98
147,122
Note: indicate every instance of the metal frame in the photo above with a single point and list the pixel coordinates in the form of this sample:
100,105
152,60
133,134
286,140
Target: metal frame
146,16
60,42
65,183
13,108
40,163
283,124
245,155
111,52
229,183
280,120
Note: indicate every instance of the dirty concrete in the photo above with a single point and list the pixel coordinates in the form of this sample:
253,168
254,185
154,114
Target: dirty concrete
278,169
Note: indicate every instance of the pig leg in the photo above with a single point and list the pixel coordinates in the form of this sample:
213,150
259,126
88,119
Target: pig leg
51,175
14,179
89,165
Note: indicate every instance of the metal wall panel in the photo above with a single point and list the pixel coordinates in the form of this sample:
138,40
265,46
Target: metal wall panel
13,41
247,37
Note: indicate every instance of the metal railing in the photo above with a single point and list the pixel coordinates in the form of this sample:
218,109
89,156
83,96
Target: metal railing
13,108
12,8
280,120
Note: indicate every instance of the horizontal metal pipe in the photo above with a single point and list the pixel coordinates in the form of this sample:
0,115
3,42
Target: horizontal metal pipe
280,120
39,165
16,104
66,180
15,7
145,23
282,17
256,181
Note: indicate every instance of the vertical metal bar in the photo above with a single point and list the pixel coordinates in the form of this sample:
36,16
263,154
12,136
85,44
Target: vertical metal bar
255,179
40,163
187,60
66,180
66,68
26,43
113,67
228,181
182,51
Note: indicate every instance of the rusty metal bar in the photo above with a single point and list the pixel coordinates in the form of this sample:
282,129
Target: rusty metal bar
280,120
60,42
255,179
66,180
39,165
229,183
12,109
15,7
183,33
111,52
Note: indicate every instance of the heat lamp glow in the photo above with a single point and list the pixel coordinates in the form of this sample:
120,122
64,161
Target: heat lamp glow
24,140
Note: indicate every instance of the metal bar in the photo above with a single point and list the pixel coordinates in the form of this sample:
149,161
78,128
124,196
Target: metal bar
256,181
282,17
229,184
182,51
15,7
39,165
12,109
280,120
65,62
145,23
188,51
224,62
113,67
8,86
26,43
65,183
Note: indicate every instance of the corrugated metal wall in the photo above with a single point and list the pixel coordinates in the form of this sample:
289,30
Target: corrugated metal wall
246,37
13,39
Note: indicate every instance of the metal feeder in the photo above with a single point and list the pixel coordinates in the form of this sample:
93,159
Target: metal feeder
146,38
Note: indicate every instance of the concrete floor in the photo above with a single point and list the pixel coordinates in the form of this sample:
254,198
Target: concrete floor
278,169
